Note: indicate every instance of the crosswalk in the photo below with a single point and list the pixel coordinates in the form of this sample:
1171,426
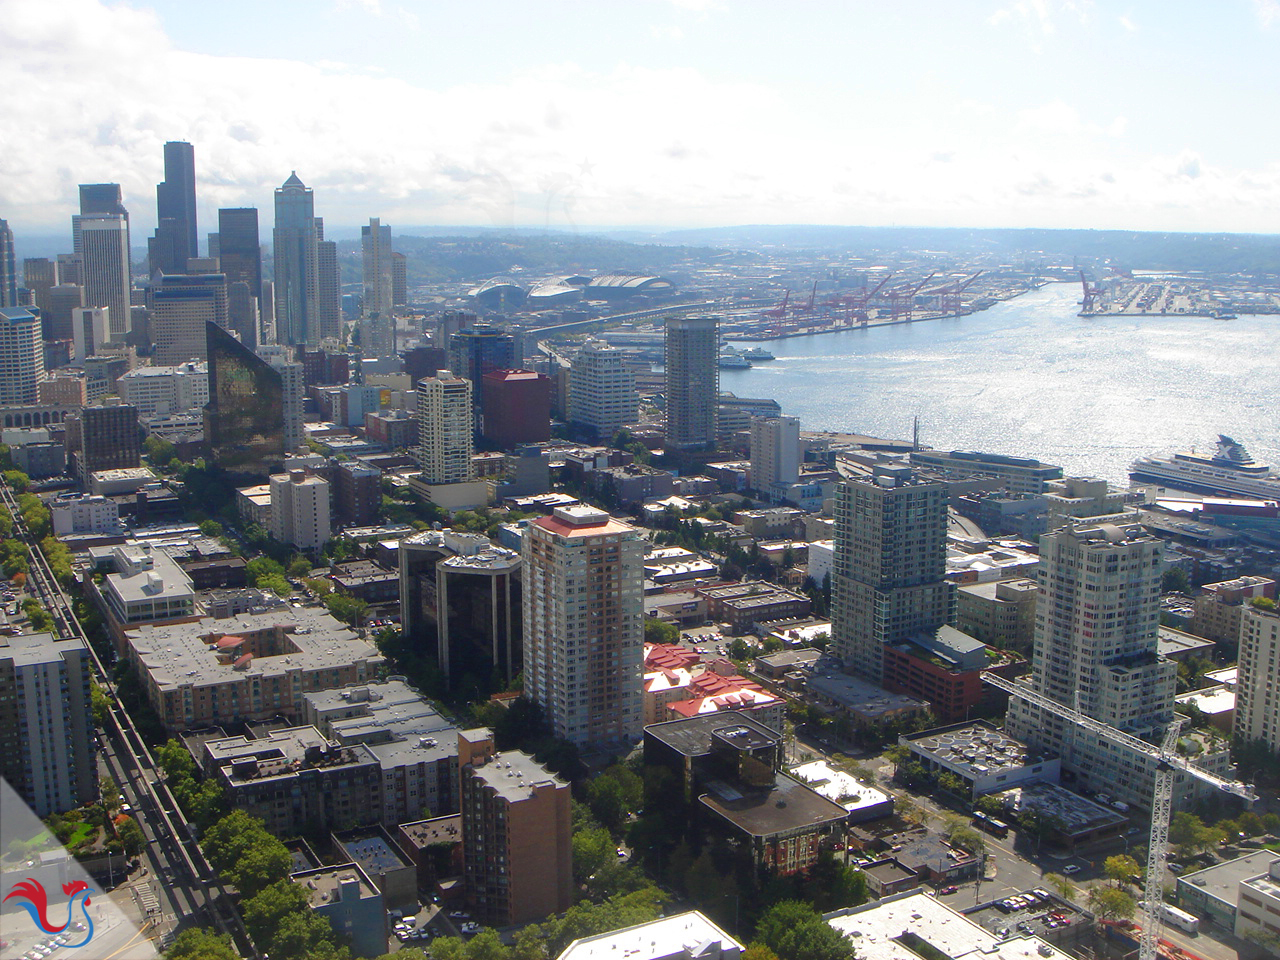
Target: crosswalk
148,902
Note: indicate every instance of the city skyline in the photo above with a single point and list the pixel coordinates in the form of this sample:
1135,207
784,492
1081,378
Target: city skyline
682,113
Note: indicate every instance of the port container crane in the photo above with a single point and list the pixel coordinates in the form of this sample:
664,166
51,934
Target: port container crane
1168,765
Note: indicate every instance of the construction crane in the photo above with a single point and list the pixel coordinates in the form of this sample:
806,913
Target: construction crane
1168,765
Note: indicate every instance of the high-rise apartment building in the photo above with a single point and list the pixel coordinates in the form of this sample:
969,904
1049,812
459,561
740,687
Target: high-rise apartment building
775,454
379,282
180,306
46,722
399,280
177,236
300,504
21,356
1258,683
105,265
297,274
1095,651
693,381
378,335
8,268
245,420
516,833
446,441
90,329
103,438
602,390
583,624
890,560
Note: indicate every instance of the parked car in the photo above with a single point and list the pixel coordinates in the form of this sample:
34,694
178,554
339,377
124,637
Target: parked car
1071,868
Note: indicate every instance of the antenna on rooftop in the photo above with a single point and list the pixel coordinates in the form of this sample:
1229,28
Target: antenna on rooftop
915,434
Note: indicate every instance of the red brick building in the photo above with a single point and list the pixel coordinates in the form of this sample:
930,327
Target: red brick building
516,407
945,668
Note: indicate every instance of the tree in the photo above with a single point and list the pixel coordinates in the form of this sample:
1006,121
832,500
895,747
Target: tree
796,931
99,702
614,795
211,528
131,836
948,782
260,567
1108,903
347,608
301,936
1122,870
198,943
1175,580
593,848
161,452
991,805
240,847
264,912
1061,885
659,631
588,919
299,566
109,792
18,480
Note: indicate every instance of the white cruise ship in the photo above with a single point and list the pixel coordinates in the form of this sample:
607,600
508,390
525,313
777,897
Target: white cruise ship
1230,471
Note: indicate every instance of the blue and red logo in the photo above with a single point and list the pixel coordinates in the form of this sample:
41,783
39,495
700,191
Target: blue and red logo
31,897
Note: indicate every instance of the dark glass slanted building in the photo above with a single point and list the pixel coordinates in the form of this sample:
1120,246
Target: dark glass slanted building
244,420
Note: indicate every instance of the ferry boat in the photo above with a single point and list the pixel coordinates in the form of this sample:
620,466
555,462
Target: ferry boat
732,361
1229,471
756,354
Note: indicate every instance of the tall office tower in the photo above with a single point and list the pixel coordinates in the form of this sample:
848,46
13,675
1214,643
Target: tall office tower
775,454
103,438
64,300
297,277
71,267
517,408
328,293
445,436
267,310
450,322
378,335
215,246
242,314
8,268
96,200
477,351
46,722
1258,684
693,380
516,833
239,249
583,624
890,560
375,241
21,356
480,615
105,256
244,422
300,509
602,390
176,208
40,275
424,361
180,306
399,280
1095,650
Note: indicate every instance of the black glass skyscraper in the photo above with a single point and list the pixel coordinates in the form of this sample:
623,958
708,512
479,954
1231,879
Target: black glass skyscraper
477,351
176,237
239,249
244,419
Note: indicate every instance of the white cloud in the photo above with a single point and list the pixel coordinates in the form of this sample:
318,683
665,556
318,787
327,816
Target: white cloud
1267,11
666,32
1128,23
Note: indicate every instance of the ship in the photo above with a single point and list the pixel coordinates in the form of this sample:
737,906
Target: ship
1230,471
757,354
731,361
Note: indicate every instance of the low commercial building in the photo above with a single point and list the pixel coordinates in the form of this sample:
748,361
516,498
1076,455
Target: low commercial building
254,666
120,480
986,759
1213,894
776,666
985,561
1217,703
771,523
351,903
864,703
85,514
1019,475
863,801
744,606
945,667
366,581
147,586
1179,645
1258,905
934,859
1072,820
887,877
435,846
380,857
684,936
295,780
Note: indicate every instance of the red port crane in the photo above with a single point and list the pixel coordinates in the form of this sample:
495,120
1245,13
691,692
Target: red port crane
1092,293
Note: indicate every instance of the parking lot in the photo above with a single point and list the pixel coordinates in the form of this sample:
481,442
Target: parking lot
1037,912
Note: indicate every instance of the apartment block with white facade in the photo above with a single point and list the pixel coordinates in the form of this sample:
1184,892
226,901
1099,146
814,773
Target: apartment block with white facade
300,509
164,391
583,629
446,437
602,390
85,514
1258,682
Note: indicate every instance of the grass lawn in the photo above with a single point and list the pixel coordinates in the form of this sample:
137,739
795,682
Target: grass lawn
82,833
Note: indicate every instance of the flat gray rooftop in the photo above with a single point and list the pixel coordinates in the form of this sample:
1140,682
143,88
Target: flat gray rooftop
1221,881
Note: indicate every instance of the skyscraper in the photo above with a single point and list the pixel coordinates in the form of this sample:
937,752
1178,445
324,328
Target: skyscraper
300,509
775,454
46,722
40,275
693,381
1257,715
583,630
21,356
479,350
379,288
445,435
399,280
103,438
176,209
296,268
96,200
63,300
244,423
239,249
180,306
8,268
602,390
328,325
890,560
105,256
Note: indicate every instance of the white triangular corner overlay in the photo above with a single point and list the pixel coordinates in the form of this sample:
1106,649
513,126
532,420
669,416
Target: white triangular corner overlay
45,893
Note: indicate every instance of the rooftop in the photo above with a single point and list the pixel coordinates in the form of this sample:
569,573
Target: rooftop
493,560
424,833
372,851
1175,643
876,928
280,753
977,746
395,721
858,696
787,807
29,649
692,736
1076,813
580,520
1222,880
685,936
1214,701
324,885
513,773
838,787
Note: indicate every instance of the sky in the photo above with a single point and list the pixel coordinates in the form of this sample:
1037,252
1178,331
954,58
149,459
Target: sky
576,115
